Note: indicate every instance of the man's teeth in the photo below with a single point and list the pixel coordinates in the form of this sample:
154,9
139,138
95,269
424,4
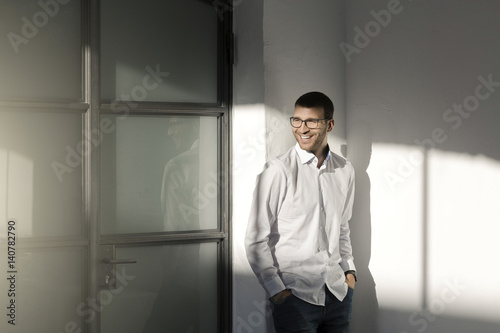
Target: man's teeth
305,137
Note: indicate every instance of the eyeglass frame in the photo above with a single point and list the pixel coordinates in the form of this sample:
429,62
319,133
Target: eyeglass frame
305,122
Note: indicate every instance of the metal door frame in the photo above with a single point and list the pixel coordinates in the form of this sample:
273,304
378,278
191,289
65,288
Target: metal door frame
91,171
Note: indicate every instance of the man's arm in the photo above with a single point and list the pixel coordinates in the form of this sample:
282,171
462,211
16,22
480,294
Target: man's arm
261,234
345,247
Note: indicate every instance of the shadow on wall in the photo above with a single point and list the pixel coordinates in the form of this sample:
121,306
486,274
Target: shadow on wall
445,227
393,321
256,314
365,305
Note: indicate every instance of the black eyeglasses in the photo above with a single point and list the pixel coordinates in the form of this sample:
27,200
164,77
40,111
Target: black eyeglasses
310,123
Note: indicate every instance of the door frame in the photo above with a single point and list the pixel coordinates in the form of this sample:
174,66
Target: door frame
91,166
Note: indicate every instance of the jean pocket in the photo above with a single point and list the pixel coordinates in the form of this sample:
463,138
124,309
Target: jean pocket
281,300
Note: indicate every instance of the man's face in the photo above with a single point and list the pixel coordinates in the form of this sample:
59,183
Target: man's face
180,131
312,139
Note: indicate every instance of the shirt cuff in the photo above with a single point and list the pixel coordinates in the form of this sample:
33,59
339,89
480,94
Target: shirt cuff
348,265
274,286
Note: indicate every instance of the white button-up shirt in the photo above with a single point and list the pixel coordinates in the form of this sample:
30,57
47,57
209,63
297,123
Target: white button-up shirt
298,231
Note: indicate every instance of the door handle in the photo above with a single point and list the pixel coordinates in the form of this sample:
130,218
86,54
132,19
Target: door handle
107,266
109,261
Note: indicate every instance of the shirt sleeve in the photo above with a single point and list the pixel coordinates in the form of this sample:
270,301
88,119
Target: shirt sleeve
345,247
171,198
261,234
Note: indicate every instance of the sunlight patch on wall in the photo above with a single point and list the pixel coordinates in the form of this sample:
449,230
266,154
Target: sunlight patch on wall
435,226
249,155
16,195
464,207
396,218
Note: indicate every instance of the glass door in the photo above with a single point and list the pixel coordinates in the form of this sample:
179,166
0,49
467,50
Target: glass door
44,240
162,237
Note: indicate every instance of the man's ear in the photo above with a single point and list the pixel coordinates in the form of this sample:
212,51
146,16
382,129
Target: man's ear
331,123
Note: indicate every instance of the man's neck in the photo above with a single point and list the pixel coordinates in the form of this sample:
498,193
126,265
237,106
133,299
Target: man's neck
322,156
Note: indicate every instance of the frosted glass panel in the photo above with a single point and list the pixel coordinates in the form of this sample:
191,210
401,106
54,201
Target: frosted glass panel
162,51
41,173
171,288
40,50
159,173
48,289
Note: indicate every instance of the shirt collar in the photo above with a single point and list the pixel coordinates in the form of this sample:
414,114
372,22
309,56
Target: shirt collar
196,144
306,156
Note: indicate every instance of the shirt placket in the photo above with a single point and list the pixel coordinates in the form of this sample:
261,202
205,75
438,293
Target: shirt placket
323,238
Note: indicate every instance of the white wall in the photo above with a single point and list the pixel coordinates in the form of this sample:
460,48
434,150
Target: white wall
301,55
425,221
248,148
431,190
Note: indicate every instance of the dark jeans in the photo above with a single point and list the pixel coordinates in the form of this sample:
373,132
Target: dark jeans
294,315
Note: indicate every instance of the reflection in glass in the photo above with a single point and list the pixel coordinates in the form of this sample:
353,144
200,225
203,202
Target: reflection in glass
40,50
171,288
41,173
159,173
49,290
160,51
179,192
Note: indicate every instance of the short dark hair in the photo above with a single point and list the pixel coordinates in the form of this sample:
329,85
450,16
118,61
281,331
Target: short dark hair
316,99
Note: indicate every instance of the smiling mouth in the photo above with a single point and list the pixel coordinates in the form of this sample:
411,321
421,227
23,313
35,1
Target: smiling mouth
305,137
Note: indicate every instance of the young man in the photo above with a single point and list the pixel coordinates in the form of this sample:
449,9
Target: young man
297,239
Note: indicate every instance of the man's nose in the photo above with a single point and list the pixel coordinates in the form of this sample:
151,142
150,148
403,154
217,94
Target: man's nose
303,128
